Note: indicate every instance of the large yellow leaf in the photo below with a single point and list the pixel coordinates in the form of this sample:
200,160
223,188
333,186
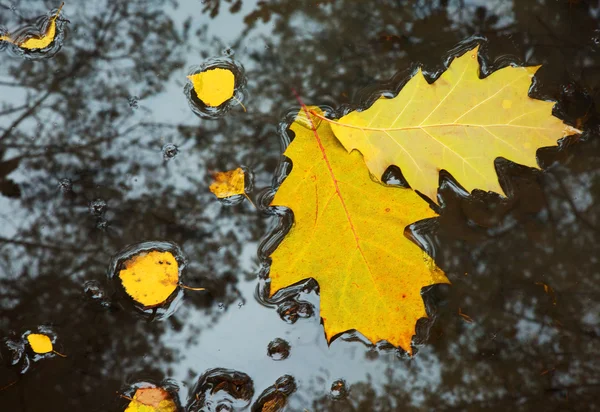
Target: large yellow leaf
459,123
348,235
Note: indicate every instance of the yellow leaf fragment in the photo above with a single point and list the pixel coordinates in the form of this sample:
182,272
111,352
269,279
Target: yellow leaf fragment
39,343
228,184
214,87
150,277
348,235
151,400
46,39
459,123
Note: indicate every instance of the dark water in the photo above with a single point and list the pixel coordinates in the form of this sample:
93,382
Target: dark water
99,150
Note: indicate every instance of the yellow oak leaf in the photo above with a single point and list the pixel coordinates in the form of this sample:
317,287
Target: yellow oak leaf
39,343
348,235
459,123
214,86
151,400
46,39
150,277
228,184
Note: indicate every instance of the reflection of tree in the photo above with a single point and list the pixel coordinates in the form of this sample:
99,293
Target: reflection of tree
531,283
70,117
72,141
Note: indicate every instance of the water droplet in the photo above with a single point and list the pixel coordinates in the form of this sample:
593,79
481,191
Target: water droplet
169,151
596,40
338,390
97,207
133,102
289,311
65,185
278,349
221,306
274,398
93,289
221,390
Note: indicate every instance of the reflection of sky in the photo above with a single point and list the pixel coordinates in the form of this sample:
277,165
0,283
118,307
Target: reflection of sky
239,341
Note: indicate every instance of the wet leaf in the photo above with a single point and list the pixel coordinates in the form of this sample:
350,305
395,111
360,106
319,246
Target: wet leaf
46,39
150,278
229,183
459,123
151,400
214,87
39,343
349,236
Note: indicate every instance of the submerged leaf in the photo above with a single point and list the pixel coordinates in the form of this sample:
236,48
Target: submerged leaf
214,87
348,235
39,343
459,123
151,400
229,183
150,277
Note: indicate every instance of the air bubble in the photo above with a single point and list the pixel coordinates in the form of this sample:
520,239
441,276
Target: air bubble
169,150
596,40
221,390
97,207
274,398
65,185
338,390
278,349
134,102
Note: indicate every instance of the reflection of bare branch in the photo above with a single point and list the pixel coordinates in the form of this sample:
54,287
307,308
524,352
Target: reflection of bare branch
25,114
76,249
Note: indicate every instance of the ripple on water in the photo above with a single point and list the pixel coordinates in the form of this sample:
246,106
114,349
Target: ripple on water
221,390
214,112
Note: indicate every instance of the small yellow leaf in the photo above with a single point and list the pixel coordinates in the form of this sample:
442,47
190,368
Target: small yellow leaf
229,183
150,277
460,123
214,87
46,39
151,400
348,235
39,343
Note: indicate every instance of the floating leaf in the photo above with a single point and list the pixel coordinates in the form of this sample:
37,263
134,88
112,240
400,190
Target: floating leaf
459,123
151,400
46,39
348,235
39,343
229,183
151,277
214,87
